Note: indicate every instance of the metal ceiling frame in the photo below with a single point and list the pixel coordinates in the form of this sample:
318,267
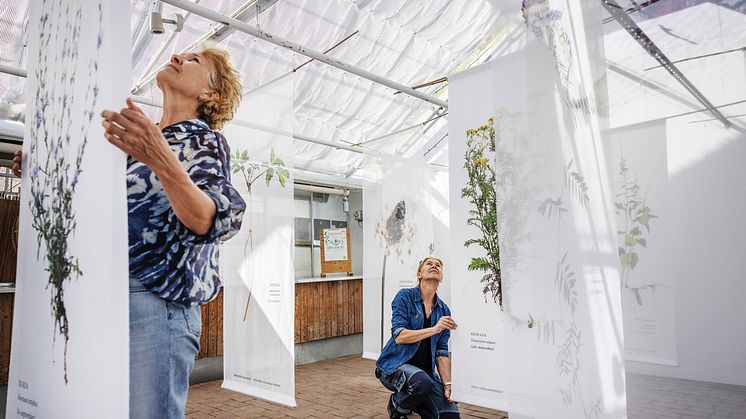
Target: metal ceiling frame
621,16
308,52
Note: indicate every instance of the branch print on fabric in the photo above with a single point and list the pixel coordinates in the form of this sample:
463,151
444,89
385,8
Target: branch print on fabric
57,146
251,172
568,360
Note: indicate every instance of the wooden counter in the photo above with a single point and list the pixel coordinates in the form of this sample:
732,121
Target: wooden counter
329,308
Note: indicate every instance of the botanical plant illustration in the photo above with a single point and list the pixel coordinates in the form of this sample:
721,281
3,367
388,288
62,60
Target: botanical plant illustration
480,191
632,203
251,172
546,24
397,234
57,146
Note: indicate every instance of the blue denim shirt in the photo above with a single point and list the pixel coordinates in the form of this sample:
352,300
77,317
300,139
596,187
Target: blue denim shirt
408,314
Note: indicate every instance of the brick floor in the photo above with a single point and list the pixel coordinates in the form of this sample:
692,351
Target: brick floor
650,397
343,387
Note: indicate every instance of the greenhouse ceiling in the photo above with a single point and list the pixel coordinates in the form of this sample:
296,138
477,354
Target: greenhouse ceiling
408,42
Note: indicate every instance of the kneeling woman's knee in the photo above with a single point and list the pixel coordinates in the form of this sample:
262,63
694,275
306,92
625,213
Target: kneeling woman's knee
421,383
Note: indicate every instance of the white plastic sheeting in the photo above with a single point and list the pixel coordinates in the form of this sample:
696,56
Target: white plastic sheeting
409,42
70,351
257,264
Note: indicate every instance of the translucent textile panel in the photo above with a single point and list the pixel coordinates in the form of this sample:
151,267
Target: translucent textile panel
555,350
257,264
478,345
679,246
639,169
559,256
655,122
397,234
70,346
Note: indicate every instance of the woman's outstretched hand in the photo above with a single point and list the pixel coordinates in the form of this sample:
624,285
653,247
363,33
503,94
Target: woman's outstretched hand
17,159
131,131
445,322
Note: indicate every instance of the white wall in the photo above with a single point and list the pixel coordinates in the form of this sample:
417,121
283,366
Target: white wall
331,210
707,203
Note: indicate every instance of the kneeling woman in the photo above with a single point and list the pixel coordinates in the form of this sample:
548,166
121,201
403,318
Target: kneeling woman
420,329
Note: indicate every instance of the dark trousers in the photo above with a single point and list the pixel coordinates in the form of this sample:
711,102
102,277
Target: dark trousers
415,391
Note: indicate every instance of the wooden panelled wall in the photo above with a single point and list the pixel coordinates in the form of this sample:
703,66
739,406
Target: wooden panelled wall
322,309
328,309
8,218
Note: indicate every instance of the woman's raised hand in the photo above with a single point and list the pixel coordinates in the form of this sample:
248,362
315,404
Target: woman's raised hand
445,322
135,134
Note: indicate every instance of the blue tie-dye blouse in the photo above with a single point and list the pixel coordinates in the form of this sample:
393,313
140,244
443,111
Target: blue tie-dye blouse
165,256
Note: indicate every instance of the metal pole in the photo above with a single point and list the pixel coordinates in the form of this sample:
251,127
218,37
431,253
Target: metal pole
281,42
12,70
621,16
353,149
401,131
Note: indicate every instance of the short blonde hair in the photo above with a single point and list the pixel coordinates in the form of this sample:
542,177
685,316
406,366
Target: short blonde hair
226,82
422,262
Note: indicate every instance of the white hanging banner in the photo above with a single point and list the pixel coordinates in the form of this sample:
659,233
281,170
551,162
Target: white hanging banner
398,233
558,241
70,344
530,117
640,172
478,345
257,264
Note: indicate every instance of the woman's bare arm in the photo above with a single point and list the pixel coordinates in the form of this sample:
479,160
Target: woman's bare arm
132,132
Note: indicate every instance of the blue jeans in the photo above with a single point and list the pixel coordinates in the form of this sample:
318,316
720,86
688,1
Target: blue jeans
164,339
415,391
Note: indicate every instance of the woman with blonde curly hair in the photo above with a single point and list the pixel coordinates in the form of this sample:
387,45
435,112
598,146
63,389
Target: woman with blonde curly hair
180,205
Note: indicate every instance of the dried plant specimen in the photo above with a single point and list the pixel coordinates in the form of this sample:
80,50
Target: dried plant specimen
397,234
57,144
633,204
480,191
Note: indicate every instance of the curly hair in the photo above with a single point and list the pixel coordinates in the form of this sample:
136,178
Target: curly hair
226,82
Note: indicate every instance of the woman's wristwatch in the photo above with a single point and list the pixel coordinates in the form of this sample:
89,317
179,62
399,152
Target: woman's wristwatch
447,383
